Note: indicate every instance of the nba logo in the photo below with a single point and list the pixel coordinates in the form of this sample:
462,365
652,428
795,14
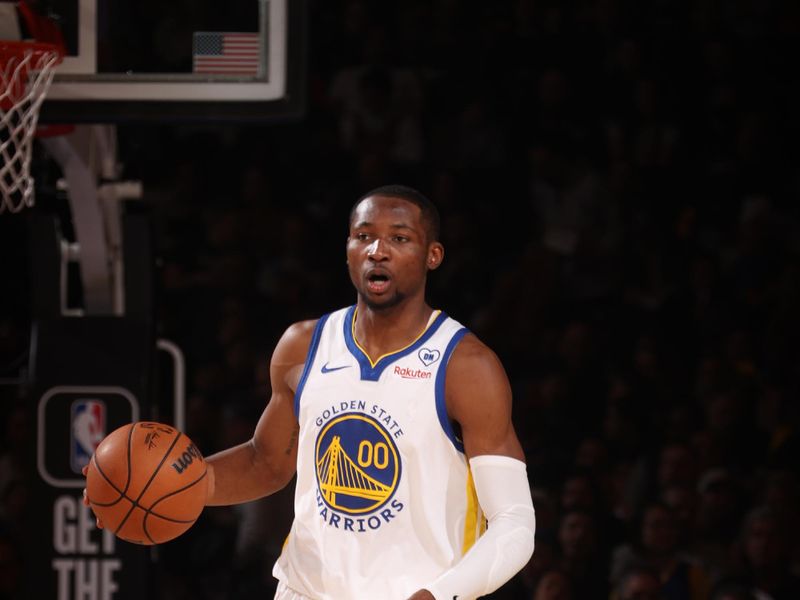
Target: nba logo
88,428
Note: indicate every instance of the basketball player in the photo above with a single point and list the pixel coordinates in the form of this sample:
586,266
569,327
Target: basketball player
397,421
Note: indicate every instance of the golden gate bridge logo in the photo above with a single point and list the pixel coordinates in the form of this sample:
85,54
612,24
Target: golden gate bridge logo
357,464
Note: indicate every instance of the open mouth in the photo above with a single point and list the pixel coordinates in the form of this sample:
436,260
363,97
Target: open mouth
377,282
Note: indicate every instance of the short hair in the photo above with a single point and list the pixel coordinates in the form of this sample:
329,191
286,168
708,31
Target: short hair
430,214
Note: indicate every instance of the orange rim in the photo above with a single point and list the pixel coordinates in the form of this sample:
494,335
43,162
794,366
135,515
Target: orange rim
10,49
37,55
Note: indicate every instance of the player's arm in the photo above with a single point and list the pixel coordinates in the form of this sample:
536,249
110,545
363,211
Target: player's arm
478,397
267,462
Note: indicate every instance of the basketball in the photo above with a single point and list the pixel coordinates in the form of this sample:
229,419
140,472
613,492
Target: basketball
146,482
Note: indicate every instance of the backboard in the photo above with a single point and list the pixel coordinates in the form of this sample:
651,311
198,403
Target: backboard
182,60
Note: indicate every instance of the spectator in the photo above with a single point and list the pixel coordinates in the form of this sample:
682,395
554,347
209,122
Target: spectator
764,554
657,547
638,583
553,585
582,555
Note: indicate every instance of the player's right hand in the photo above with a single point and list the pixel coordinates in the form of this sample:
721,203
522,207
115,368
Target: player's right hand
86,497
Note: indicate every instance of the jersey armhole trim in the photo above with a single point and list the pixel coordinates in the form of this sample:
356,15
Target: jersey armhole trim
312,352
441,405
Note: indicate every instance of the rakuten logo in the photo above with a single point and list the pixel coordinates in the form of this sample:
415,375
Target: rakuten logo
407,373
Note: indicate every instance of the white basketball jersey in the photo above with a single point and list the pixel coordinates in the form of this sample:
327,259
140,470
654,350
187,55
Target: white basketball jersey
384,500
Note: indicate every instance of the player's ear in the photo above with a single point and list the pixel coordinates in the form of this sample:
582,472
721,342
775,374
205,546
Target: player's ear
435,255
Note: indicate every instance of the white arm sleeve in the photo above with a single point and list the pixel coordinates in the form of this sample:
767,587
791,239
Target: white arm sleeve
502,486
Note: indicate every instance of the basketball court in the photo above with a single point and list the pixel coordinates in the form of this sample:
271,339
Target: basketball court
78,342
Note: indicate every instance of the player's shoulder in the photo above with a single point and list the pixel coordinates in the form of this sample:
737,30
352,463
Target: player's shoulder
301,329
471,355
294,343
475,378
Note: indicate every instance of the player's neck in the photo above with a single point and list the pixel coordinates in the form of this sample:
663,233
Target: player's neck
381,332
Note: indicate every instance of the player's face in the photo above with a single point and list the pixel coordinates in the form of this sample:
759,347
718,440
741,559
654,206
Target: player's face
388,252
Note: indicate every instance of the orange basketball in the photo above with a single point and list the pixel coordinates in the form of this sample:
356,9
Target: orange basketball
147,482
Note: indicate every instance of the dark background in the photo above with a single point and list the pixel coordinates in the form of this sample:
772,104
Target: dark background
619,188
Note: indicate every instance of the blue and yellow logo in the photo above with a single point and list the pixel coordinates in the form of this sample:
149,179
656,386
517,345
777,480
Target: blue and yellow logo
358,466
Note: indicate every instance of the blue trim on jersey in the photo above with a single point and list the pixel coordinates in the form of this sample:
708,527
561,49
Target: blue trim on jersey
441,406
370,373
312,352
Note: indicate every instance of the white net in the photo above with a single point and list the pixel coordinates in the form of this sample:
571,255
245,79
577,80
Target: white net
26,71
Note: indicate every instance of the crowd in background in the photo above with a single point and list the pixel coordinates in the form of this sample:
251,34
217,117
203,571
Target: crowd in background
619,186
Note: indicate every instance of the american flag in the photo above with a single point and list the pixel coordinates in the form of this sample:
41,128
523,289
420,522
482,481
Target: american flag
226,53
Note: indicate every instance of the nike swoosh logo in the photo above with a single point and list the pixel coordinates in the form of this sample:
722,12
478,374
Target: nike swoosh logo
325,368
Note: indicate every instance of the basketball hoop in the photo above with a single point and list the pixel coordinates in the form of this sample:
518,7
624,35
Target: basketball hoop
26,70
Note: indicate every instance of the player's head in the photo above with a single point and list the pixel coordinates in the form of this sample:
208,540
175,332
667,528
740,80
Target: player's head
430,214
391,246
